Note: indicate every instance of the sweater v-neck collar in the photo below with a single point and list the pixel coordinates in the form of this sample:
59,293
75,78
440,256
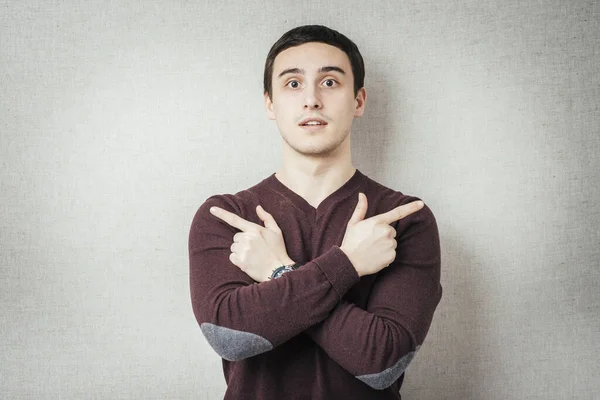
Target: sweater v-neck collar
342,192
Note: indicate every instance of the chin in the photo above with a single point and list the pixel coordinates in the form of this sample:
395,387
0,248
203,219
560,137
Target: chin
315,149
313,144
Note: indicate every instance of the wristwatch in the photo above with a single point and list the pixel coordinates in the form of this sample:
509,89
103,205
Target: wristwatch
277,272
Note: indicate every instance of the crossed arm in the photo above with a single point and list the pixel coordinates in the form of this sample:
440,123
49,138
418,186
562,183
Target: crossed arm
241,318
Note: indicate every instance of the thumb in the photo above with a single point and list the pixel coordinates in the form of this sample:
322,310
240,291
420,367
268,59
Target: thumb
267,218
361,209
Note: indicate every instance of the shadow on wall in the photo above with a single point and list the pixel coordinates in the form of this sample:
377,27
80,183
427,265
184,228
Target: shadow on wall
372,132
464,359
452,363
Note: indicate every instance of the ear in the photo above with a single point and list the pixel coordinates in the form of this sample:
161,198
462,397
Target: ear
269,106
361,98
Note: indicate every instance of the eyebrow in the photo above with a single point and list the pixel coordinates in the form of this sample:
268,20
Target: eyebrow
300,71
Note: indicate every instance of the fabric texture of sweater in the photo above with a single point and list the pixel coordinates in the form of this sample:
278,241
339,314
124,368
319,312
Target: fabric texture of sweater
319,332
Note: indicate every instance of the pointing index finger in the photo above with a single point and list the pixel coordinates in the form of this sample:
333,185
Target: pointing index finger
233,219
400,212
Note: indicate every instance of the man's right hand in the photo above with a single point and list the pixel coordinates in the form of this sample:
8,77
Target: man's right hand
370,244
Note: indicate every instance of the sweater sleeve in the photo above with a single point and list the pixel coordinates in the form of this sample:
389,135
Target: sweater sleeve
241,318
391,329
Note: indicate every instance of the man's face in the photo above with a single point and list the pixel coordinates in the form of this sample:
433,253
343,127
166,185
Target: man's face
314,80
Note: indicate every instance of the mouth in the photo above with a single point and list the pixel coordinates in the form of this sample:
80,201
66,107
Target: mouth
312,123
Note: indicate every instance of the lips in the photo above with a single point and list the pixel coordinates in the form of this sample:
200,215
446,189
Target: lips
315,122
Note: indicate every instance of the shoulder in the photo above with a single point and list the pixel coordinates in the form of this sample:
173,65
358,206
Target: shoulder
241,203
382,198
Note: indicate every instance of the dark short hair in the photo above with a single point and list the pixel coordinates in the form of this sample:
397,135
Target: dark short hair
315,33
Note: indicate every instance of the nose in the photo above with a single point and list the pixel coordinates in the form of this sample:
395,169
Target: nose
312,99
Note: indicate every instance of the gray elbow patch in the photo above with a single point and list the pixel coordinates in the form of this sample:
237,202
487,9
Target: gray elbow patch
234,345
386,378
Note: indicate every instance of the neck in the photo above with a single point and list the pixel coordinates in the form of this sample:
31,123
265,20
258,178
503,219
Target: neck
315,177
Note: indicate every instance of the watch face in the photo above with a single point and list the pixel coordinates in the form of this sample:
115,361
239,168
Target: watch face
280,271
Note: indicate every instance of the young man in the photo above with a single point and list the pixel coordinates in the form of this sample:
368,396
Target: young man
317,282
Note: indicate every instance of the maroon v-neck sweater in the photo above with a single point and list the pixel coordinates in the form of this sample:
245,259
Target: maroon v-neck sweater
318,332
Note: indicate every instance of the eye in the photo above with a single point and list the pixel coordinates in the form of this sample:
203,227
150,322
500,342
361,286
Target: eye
293,84
329,82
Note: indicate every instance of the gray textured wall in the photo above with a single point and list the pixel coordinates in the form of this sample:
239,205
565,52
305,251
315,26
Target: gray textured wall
117,121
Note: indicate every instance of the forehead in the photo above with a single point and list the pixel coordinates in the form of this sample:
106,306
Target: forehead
310,57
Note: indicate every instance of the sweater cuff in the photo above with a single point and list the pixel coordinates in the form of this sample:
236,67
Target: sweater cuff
338,269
